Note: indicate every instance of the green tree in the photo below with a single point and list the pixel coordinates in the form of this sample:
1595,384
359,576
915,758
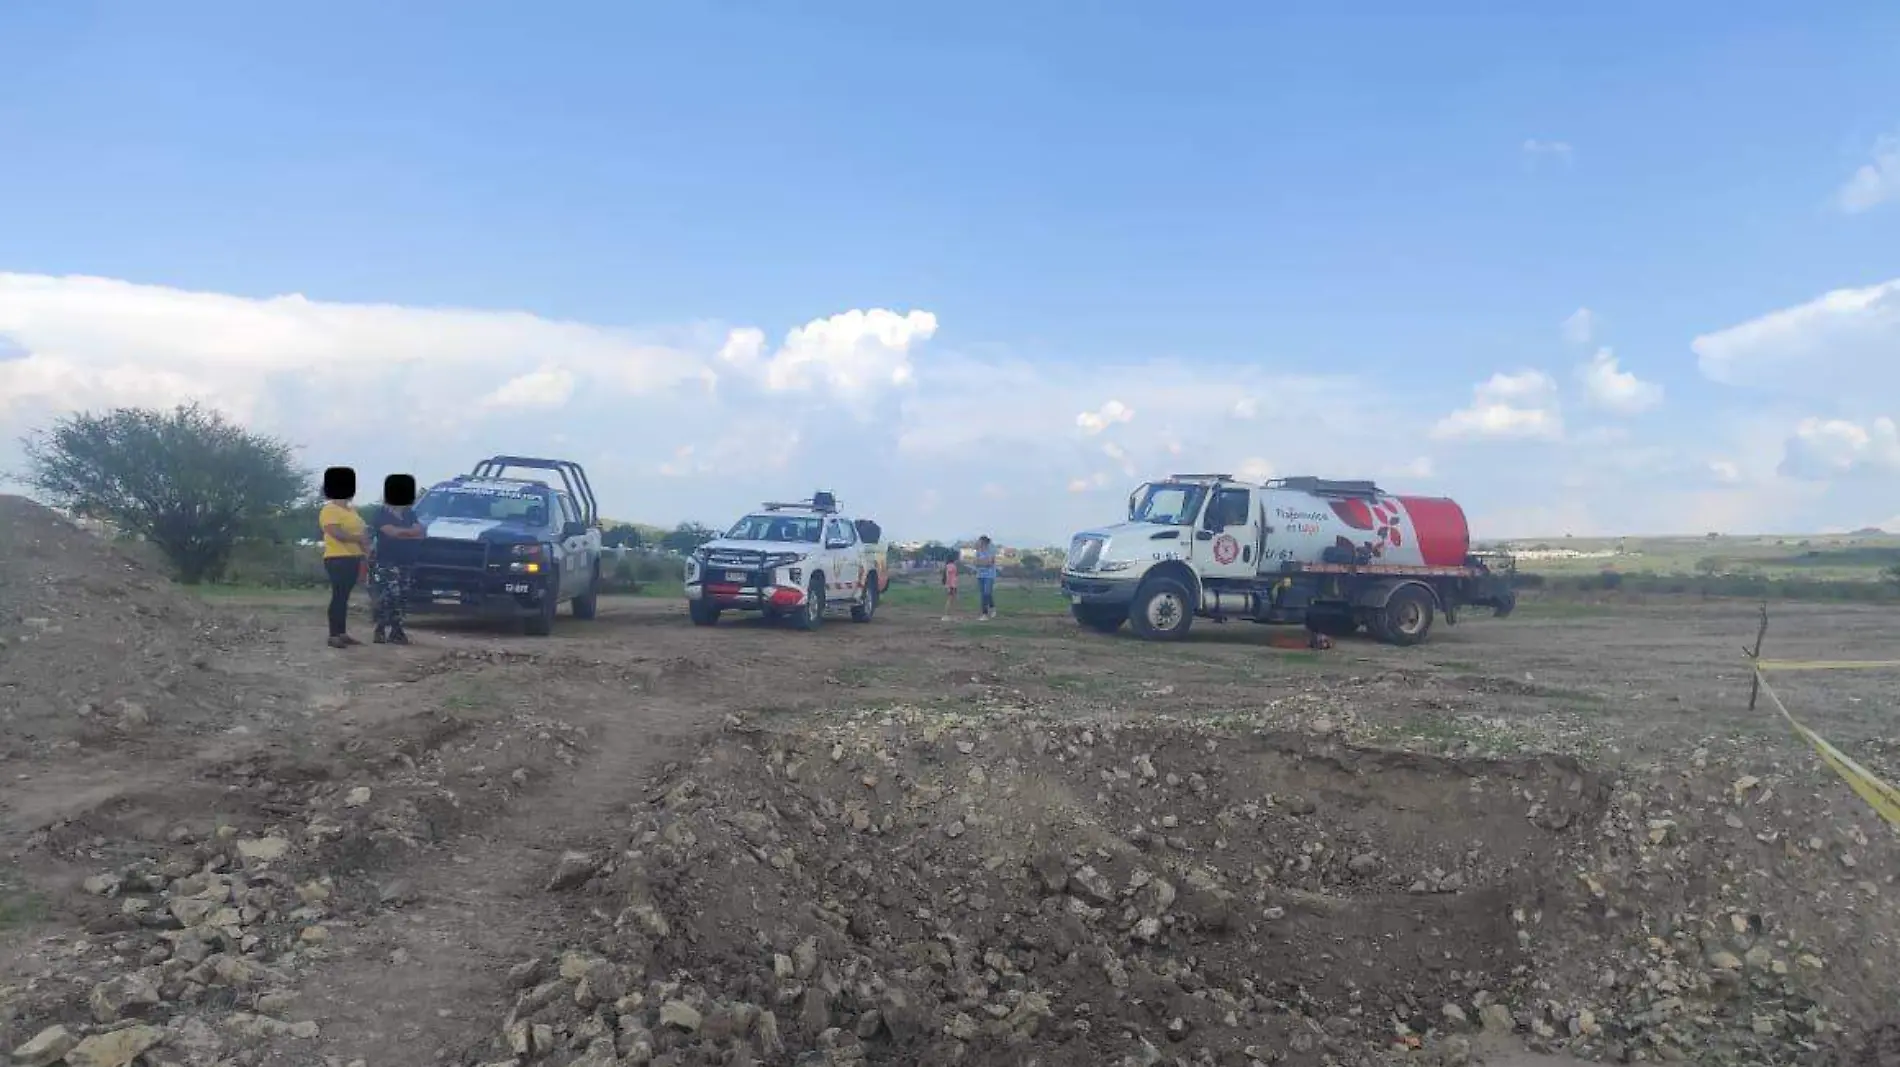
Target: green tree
188,481
1032,563
622,537
687,536
291,525
936,552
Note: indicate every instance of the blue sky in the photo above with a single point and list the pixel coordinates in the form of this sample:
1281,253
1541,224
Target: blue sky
1350,219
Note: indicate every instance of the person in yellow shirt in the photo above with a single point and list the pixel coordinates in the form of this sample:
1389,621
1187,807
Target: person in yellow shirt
346,541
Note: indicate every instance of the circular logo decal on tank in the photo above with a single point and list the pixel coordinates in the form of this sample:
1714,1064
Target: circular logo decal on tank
1226,549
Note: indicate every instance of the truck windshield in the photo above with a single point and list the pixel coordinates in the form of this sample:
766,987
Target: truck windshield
526,507
1169,504
789,528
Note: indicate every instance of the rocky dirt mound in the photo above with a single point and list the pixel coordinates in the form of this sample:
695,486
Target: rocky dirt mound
94,644
935,894
197,908
919,891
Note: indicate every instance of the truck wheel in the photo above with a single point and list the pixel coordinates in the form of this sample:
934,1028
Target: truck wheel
1098,617
1162,610
812,615
588,603
863,612
704,612
1406,617
1507,603
541,623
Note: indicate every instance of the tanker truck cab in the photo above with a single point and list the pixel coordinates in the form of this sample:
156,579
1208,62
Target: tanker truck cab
1333,556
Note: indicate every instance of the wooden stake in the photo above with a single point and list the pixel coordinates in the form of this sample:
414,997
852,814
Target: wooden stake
1754,656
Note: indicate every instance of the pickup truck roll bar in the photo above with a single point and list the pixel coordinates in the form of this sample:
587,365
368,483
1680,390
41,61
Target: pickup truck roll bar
572,476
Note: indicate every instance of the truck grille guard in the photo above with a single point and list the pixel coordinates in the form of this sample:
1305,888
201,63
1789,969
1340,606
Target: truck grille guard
446,554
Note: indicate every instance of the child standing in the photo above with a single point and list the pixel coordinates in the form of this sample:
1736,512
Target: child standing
949,587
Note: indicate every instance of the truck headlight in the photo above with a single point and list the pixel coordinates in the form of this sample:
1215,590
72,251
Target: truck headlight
1110,565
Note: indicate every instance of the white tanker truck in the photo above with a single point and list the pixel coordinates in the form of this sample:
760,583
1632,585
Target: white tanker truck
1330,555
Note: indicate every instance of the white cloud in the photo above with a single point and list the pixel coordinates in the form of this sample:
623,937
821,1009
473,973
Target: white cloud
1839,346
1105,416
693,422
1535,149
1246,408
736,448
1725,472
744,347
1616,390
1254,469
96,340
1516,406
1822,449
546,388
1874,182
1581,327
855,353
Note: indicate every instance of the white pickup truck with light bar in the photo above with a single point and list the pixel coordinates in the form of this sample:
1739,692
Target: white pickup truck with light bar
796,561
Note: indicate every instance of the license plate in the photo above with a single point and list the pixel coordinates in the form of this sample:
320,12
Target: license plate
735,576
444,594
1075,598
517,587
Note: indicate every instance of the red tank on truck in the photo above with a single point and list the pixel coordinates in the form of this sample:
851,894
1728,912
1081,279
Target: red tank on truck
1333,556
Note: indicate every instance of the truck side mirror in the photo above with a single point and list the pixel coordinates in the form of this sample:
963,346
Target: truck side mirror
574,529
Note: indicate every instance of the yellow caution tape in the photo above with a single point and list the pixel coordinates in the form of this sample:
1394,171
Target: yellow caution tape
1884,798
1827,665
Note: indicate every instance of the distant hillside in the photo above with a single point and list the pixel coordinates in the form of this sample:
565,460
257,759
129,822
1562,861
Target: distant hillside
1863,555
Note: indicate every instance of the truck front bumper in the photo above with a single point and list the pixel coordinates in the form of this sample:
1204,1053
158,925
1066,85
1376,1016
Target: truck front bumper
741,596
454,591
1094,590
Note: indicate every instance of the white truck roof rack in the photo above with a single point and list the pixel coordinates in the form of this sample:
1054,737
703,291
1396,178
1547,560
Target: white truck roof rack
821,502
1325,487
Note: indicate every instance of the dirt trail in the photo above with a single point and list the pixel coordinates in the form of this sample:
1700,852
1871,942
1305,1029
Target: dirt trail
450,919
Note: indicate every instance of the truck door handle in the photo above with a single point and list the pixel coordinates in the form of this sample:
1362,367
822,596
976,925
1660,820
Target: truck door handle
1246,554
1204,535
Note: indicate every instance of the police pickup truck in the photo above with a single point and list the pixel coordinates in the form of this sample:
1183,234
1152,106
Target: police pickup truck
790,561
509,548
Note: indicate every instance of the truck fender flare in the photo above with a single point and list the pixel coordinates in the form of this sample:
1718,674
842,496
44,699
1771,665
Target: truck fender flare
1182,573
1376,595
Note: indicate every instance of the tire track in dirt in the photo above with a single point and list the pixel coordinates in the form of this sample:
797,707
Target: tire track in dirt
421,977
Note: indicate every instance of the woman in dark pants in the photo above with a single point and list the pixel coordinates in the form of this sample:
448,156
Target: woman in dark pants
346,541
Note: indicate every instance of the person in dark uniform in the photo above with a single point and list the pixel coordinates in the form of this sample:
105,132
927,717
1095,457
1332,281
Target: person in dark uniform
398,545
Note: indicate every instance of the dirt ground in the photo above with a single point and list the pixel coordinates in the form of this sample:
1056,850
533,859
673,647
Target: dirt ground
1561,834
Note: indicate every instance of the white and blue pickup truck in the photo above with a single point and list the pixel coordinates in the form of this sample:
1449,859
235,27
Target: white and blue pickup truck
797,561
509,548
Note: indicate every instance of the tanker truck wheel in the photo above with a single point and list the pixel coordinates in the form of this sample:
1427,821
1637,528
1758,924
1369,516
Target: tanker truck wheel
1163,610
1406,617
1507,603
